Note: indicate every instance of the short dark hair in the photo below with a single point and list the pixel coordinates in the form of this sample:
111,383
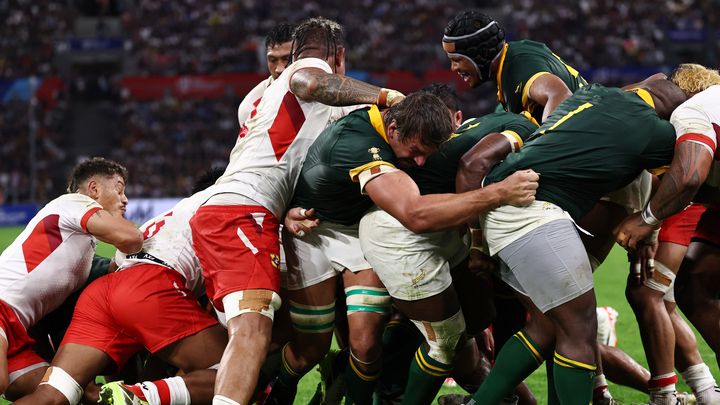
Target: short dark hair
424,115
207,179
317,33
91,167
279,34
447,94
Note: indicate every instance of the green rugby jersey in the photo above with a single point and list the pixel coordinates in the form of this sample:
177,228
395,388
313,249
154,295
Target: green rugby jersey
595,142
438,174
521,62
328,179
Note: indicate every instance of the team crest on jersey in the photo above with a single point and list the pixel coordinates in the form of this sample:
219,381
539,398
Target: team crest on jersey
275,259
375,151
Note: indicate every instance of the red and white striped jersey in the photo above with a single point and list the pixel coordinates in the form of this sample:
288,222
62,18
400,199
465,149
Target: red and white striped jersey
168,242
698,120
270,149
50,259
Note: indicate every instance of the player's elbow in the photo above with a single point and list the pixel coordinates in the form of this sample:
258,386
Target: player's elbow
418,222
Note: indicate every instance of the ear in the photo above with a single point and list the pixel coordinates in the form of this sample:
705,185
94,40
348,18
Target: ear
458,116
391,130
93,189
340,59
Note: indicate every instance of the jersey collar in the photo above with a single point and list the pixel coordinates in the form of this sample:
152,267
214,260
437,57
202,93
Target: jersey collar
377,122
644,95
503,53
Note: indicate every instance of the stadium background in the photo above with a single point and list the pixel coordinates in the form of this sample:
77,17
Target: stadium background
155,84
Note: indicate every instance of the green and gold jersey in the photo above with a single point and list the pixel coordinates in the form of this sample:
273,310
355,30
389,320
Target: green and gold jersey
521,62
438,174
345,151
595,142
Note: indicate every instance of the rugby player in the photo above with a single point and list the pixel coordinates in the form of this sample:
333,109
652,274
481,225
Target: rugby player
364,149
51,259
235,233
528,75
598,140
696,123
416,268
277,46
162,282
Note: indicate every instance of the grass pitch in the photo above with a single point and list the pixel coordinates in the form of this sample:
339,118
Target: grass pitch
609,285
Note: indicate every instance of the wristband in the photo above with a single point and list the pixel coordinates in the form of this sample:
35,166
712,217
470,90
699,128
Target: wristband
386,97
648,217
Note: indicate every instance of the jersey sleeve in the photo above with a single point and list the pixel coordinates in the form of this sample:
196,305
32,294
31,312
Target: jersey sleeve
519,130
692,124
306,63
251,100
517,79
76,209
369,158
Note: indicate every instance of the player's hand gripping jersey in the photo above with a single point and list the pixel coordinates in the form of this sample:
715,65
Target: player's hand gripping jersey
50,259
266,160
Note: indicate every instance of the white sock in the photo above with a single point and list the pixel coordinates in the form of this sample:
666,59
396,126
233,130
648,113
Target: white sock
601,388
662,389
168,391
698,378
222,400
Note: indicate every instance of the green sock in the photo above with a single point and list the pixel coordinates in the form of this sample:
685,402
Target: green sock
400,341
425,379
552,393
285,386
360,386
573,380
518,358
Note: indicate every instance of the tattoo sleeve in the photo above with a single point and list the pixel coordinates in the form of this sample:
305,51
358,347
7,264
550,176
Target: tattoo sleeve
688,171
332,89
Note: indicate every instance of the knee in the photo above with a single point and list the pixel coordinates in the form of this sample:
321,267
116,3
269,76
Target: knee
642,298
366,345
443,337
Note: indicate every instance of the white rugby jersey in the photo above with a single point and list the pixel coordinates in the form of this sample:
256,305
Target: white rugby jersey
698,120
50,259
251,101
268,155
168,242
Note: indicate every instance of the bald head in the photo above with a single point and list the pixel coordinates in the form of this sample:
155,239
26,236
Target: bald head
666,95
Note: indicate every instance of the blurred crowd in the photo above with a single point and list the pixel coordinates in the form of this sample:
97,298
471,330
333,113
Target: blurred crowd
49,126
166,144
184,137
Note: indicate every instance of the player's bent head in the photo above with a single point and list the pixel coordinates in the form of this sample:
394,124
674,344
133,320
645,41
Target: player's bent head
476,37
668,96
321,38
417,126
97,166
449,97
693,78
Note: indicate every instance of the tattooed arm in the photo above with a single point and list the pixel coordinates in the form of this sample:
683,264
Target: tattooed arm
312,84
688,171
